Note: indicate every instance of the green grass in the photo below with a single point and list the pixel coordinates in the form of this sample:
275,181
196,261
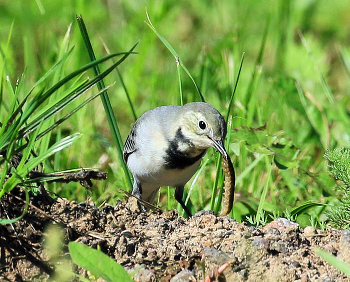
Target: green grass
290,105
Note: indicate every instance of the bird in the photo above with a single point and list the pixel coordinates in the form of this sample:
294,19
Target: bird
166,145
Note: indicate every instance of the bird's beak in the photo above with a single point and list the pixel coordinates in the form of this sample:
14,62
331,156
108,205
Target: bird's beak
219,146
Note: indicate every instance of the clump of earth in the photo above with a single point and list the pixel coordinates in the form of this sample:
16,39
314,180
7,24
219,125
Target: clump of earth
164,246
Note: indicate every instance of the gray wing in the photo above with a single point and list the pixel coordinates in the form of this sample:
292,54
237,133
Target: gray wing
129,146
151,117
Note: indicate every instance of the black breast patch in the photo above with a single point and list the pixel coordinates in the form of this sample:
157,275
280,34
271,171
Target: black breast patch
177,159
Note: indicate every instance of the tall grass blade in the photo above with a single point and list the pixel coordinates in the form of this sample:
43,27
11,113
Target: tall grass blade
282,26
215,200
65,101
133,112
64,48
176,56
180,80
339,112
260,211
58,122
345,58
318,72
127,94
195,179
39,99
105,99
234,88
304,207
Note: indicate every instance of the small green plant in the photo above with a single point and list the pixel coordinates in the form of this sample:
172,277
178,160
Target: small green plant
288,215
30,117
257,220
339,166
97,263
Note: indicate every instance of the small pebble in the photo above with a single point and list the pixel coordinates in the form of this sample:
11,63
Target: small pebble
282,224
260,243
309,231
345,240
344,250
247,235
144,275
329,248
273,234
202,213
254,231
303,278
215,256
132,204
279,247
183,276
295,264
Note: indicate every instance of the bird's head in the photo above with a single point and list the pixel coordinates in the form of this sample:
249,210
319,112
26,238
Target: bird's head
204,126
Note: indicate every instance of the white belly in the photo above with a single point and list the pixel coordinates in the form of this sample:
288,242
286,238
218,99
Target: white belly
151,172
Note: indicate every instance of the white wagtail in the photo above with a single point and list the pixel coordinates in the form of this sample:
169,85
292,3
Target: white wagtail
166,145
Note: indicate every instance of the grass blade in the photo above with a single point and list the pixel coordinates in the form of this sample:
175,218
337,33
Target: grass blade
105,99
58,122
304,207
71,96
17,178
133,112
260,211
333,260
176,56
234,88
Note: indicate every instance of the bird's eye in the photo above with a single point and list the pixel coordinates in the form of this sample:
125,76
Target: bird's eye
202,124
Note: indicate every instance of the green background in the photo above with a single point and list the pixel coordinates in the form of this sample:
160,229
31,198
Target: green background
294,80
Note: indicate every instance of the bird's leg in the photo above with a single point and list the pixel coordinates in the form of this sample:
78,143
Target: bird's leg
137,191
179,192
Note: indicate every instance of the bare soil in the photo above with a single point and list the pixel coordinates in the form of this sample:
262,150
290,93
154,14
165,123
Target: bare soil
169,247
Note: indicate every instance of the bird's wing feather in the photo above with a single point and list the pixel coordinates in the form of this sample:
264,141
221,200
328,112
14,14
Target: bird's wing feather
129,146
149,120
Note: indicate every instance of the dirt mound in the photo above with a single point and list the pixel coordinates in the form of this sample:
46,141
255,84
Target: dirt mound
170,248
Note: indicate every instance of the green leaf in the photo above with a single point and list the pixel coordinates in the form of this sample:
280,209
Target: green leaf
249,135
333,260
255,139
285,155
304,207
97,263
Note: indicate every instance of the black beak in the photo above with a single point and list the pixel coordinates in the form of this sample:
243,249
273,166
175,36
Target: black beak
219,146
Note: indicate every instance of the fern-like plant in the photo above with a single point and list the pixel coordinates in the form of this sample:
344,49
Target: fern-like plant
339,166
